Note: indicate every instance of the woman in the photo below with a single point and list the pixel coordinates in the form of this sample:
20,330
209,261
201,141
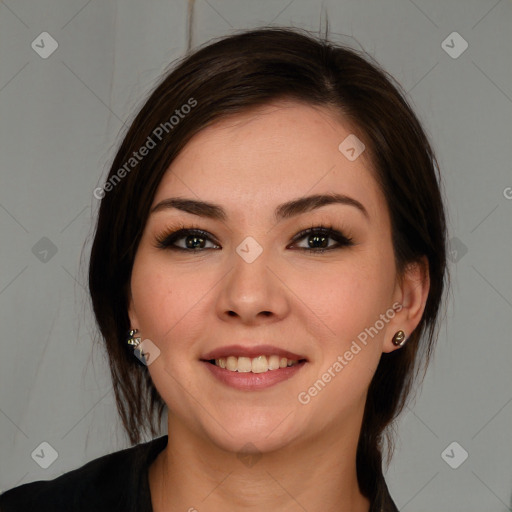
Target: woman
269,264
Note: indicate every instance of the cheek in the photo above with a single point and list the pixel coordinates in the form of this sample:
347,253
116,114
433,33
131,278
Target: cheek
166,297
348,301
348,297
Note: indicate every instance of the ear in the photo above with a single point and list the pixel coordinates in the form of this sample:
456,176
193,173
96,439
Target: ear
411,294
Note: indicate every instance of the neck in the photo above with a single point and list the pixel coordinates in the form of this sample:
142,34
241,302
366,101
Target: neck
318,474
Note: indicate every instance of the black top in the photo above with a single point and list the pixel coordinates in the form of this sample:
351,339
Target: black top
117,482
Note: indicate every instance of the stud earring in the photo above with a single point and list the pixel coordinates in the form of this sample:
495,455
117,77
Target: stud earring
132,339
399,338
135,342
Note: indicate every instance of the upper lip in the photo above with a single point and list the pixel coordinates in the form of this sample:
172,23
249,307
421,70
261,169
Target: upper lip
252,351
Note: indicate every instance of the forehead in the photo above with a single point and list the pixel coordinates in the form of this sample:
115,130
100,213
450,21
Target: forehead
268,155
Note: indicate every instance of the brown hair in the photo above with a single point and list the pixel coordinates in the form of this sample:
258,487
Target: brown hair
229,76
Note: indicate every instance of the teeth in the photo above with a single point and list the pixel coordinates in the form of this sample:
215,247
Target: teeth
260,364
273,362
231,363
244,364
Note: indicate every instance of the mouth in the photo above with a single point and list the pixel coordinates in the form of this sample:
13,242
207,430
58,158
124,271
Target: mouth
257,359
259,364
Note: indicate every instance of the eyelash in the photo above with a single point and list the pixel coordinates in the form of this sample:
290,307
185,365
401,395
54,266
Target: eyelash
169,237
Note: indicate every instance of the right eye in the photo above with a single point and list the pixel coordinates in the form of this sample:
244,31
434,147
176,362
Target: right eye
191,240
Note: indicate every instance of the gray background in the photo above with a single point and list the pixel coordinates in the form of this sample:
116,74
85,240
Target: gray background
61,119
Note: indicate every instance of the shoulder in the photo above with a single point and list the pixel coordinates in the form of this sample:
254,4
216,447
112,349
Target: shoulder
103,484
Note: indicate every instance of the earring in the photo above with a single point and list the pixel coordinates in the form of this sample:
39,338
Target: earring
135,341
399,338
132,340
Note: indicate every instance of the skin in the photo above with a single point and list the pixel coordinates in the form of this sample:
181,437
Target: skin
189,303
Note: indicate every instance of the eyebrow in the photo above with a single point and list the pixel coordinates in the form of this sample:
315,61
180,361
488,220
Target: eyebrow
283,211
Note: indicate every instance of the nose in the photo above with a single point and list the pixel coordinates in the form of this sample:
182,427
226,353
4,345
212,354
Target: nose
252,292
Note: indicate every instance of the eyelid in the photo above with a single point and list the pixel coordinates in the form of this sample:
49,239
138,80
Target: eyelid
326,228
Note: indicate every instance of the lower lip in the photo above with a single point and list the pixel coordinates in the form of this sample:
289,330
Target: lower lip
249,381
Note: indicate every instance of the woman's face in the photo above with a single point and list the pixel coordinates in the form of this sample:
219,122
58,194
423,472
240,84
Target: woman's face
248,280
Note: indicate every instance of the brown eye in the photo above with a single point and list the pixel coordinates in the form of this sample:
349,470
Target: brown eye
317,239
192,240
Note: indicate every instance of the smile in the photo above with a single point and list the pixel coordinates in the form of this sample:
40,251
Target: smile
259,364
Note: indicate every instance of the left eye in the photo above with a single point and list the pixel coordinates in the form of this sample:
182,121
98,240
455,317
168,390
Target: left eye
318,239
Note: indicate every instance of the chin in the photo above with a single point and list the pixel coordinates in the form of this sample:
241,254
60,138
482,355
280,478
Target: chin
265,435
